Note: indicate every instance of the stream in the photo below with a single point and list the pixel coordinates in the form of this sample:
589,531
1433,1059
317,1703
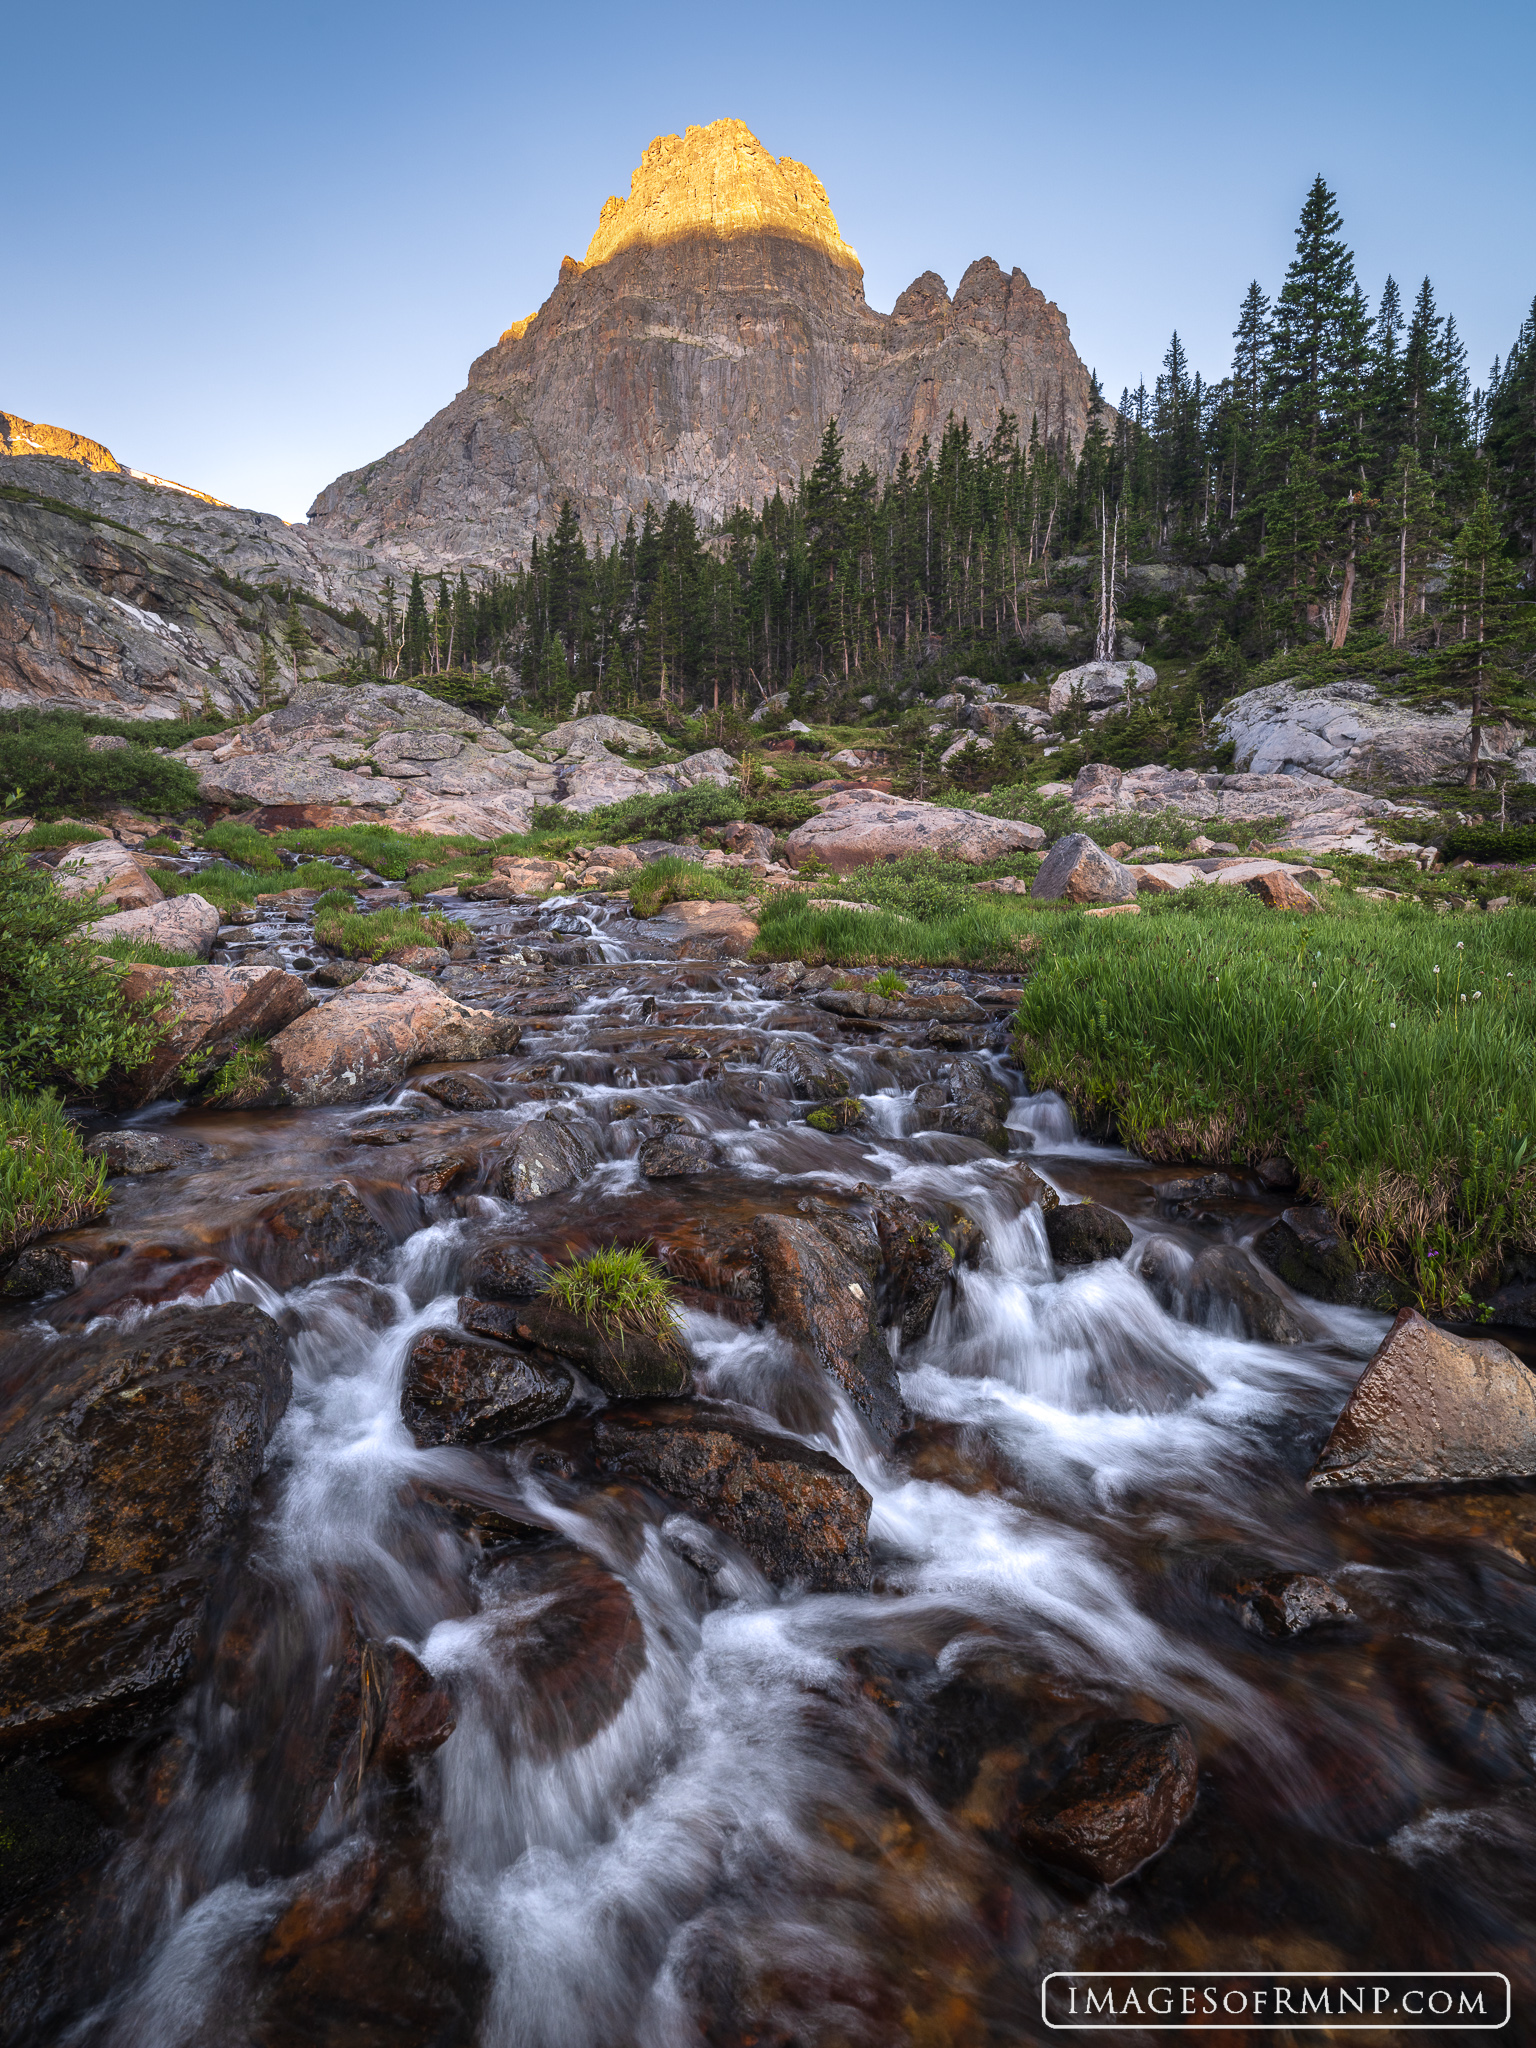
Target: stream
680,1804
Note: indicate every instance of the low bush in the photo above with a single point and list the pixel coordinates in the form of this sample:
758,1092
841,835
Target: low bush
689,812
50,771
1487,842
63,1022
619,1292
46,1181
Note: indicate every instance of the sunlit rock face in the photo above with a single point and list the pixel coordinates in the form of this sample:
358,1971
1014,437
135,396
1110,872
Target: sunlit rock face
716,324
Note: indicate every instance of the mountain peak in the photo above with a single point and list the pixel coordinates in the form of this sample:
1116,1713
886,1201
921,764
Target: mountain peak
722,182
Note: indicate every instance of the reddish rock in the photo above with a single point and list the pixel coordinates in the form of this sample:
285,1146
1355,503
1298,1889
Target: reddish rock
1130,1790
1076,870
1279,891
1430,1409
366,1039
460,1091
125,1475
419,1714
625,1363
107,872
1287,1603
461,1389
861,827
211,1010
799,1515
508,1271
565,1650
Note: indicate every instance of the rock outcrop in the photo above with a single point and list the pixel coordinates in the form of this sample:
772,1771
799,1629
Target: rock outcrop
1321,816
1345,729
716,323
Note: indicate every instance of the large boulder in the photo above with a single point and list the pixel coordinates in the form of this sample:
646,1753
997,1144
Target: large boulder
858,828
126,1472
800,1516
1431,1409
181,924
1077,870
1083,1233
1100,685
628,1363
599,732
1323,817
1311,1254
247,779
367,1038
459,1389
541,1158
209,1011
106,870
823,1299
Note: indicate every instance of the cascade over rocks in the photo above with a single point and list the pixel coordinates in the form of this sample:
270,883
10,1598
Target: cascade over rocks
126,1471
310,1232
1431,1408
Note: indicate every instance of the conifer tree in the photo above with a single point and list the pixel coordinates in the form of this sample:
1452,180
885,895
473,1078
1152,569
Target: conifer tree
415,657
1479,598
297,638
266,671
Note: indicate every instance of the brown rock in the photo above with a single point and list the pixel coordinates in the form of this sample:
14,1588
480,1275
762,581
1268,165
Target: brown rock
1076,870
1288,1603
629,1364
819,1297
755,841
125,1476
721,255
1279,891
462,1390
1430,1409
40,1269
142,1152
460,1091
542,1158
671,1154
799,1515
1309,1252
106,871
181,924
1133,1786
419,1714
507,1271
1085,1232
310,1232
211,1011
704,931
861,827
1225,1286
367,1038
419,959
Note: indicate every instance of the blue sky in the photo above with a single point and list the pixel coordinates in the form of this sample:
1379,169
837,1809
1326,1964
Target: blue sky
251,248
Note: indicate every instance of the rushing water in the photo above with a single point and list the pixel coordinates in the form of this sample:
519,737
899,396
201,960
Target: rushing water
678,1806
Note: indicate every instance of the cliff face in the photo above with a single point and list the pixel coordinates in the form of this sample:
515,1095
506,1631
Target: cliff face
716,324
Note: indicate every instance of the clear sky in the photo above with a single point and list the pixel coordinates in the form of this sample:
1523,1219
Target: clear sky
250,248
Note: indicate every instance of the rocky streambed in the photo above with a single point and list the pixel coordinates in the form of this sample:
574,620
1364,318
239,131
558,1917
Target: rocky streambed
391,1656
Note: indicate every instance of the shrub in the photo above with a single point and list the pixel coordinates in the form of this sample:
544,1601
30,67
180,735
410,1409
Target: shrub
63,1021
1486,842
50,771
620,1292
46,1181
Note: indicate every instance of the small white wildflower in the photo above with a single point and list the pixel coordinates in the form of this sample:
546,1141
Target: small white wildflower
1393,1025
1477,995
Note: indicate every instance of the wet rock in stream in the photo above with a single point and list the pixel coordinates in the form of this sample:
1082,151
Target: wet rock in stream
671,1154
544,1157
799,1515
38,1270
1124,1797
1310,1254
310,1232
819,1297
1224,1285
1431,1408
463,1389
128,1463
507,1271
1083,1233
625,1362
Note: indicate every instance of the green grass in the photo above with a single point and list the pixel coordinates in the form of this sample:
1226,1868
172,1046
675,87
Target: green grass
684,881
46,1181
372,935
43,837
619,1292
983,934
247,1063
1212,1029
144,953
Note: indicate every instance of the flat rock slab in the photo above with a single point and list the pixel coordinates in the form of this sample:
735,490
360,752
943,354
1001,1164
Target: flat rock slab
1430,1409
800,1516
704,930
181,924
856,829
126,1470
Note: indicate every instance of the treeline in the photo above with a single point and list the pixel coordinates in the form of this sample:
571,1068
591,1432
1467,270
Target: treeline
1375,496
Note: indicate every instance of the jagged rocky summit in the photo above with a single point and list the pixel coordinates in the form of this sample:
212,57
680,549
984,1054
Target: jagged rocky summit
717,322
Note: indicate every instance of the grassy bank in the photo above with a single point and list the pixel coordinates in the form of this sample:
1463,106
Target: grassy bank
1390,1053
46,1181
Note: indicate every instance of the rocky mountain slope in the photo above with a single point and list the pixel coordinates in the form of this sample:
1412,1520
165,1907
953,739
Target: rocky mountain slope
716,323
122,593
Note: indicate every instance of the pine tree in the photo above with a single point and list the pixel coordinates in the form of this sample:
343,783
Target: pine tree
297,638
266,671
1479,598
1510,436
417,635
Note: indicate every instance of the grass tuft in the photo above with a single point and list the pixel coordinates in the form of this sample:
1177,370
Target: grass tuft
683,881
621,1292
46,1181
